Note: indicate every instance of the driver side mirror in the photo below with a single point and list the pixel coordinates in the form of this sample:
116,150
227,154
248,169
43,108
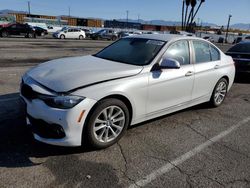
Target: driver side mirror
168,63
65,31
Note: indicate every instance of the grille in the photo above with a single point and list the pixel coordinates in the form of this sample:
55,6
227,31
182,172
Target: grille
46,130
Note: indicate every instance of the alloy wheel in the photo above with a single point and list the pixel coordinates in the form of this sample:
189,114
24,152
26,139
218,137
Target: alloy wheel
220,92
109,124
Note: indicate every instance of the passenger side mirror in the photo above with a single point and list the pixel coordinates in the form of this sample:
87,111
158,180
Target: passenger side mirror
168,63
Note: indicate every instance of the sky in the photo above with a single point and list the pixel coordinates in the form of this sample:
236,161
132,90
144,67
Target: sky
212,11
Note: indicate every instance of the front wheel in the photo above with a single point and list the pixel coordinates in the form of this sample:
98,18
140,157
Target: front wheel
219,93
62,36
108,123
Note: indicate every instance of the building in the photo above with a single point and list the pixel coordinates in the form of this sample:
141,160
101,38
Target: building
51,20
121,24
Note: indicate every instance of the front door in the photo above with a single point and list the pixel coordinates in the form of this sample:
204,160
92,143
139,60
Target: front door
171,87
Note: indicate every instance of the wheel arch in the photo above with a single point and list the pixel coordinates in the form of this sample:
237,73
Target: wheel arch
124,99
226,77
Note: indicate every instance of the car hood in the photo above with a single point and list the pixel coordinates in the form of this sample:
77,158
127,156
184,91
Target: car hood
66,74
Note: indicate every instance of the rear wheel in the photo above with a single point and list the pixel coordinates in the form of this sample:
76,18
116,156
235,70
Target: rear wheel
219,93
30,35
5,34
107,123
81,37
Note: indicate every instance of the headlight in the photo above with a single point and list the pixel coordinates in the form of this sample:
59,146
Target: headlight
62,102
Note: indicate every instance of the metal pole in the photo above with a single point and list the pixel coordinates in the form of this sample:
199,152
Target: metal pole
29,7
127,17
182,14
69,11
229,18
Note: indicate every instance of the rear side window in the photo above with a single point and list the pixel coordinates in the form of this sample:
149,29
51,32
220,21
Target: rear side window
215,54
204,52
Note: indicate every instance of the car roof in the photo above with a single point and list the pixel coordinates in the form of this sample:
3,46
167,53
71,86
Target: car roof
244,42
162,37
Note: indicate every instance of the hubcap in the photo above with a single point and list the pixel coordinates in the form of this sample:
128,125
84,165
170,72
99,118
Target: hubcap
220,92
109,124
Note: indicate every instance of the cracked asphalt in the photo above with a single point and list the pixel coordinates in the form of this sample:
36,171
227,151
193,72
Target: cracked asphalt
144,148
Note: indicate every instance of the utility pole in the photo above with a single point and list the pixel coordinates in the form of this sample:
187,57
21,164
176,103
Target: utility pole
127,17
138,18
229,19
29,7
69,11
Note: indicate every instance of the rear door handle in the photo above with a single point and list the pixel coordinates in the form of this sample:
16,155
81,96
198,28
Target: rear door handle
216,66
189,73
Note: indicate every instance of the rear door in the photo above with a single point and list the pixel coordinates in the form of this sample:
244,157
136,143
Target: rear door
70,33
13,29
207,68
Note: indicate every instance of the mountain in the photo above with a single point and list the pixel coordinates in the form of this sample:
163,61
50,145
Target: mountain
6,11
241,26
163,22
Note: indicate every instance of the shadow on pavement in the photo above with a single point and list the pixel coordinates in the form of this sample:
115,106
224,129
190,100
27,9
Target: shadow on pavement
18,149
242,78
16,141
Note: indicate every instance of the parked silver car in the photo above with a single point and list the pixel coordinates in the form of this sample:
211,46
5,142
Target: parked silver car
135,79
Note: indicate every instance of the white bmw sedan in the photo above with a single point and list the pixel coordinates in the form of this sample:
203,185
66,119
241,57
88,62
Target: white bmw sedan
96,97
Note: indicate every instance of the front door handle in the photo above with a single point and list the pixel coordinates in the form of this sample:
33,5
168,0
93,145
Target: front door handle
216,66
189,73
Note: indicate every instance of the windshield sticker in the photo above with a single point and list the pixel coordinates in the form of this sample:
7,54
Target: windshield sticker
155,42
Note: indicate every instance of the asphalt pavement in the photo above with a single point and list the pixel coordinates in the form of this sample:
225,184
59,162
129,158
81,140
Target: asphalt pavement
196,147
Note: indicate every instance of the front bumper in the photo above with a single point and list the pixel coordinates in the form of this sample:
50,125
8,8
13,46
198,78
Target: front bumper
46,122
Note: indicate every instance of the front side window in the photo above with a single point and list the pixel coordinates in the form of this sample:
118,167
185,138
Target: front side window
180,52
134,51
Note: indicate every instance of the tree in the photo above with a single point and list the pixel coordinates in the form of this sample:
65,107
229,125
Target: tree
182,13
187,5
188,19
201,1
191,13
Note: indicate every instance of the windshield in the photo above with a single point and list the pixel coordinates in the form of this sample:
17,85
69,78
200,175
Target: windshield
134,51
101,31
241,48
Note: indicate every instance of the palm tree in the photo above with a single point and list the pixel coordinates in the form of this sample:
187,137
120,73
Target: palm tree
201,1
187,5
193,4
182,13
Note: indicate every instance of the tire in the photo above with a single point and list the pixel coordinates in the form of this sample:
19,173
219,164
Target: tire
110,129
5,34
113,38
219,93
81,37
30,35
62,36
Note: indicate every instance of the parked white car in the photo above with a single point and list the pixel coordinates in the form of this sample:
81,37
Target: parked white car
70,33
137,78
